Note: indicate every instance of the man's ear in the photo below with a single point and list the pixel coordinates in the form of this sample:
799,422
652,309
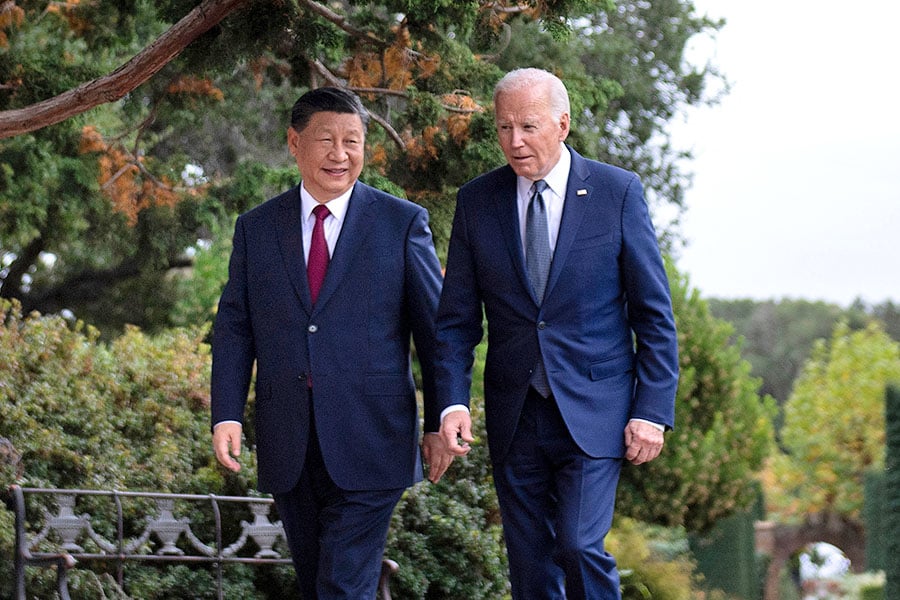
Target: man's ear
563,127
293,140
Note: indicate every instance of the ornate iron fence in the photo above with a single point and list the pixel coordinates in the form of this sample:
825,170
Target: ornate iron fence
59,536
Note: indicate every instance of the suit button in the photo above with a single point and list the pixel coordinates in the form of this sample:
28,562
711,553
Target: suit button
542,325
312,328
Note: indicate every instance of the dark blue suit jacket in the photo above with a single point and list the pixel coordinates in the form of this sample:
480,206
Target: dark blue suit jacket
605,330
382,284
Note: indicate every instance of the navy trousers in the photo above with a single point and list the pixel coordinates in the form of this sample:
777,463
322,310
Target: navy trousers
336,536
557,507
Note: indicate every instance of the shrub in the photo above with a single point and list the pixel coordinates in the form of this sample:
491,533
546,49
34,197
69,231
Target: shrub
128,415
133,414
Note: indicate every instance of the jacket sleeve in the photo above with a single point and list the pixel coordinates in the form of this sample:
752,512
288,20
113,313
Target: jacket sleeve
459,318
233,351
650,315
423,288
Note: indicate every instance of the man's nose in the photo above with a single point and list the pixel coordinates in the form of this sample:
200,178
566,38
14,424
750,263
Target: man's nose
338,152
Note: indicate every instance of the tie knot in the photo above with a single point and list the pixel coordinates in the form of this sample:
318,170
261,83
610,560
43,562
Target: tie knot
539,186
321,211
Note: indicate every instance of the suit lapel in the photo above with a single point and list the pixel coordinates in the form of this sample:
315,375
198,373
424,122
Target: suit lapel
508,213
290,240
578,194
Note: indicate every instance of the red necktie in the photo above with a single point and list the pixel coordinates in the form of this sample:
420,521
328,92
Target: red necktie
318,253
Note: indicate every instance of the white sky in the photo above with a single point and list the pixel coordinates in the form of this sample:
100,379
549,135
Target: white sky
796,188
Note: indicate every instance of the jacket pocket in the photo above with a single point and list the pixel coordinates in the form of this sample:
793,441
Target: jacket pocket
611,366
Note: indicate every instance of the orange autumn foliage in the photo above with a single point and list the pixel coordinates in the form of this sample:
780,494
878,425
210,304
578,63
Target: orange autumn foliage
458,123
68,9
123,178
396,68
422,150
378,157
195,86
10,15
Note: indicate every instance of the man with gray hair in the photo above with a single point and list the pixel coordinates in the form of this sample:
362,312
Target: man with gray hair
560,255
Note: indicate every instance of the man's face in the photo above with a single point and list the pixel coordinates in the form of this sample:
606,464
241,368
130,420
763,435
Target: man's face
330,153
529,135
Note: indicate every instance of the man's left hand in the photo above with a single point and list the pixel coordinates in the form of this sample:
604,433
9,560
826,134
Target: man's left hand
436,455
643,442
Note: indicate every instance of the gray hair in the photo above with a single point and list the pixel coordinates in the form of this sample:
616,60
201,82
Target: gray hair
519,79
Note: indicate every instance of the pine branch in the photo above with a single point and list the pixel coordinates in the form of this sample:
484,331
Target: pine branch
123,80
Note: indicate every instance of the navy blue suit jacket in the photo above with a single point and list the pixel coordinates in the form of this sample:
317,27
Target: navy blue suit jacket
605,329
381,287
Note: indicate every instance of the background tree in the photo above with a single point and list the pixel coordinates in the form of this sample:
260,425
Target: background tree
778,336
834,426
99,211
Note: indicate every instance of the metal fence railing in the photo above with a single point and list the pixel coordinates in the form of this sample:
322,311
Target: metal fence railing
54,529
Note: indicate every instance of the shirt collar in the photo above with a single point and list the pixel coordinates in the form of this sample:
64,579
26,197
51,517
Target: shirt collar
337,206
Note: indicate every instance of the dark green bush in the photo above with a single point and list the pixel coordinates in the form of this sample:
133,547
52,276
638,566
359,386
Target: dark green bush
447,537
892,487
127,415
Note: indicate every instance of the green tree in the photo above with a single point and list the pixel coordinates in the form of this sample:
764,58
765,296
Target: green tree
723,428
97,210
778,336
889,314
834,426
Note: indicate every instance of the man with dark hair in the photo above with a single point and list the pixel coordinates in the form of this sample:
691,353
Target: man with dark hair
327,284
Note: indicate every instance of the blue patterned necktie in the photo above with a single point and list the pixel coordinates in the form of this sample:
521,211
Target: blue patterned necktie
537,241
537,261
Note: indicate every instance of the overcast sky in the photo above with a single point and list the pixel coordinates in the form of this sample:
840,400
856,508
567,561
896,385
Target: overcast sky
797,172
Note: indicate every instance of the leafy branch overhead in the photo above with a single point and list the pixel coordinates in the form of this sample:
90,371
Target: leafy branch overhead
123,80
128,131
394,56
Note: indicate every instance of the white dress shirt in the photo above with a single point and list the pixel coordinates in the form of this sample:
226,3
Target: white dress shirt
332,224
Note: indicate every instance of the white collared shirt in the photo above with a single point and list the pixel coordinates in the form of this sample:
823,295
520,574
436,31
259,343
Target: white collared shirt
332,224
554,196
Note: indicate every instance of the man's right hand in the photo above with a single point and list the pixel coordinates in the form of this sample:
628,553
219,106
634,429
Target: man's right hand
456,427
227,443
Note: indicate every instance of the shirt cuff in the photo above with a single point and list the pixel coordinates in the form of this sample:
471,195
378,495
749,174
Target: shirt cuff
657,425
220,422
453,408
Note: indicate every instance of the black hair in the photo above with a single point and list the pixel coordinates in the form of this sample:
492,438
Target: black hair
327,99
